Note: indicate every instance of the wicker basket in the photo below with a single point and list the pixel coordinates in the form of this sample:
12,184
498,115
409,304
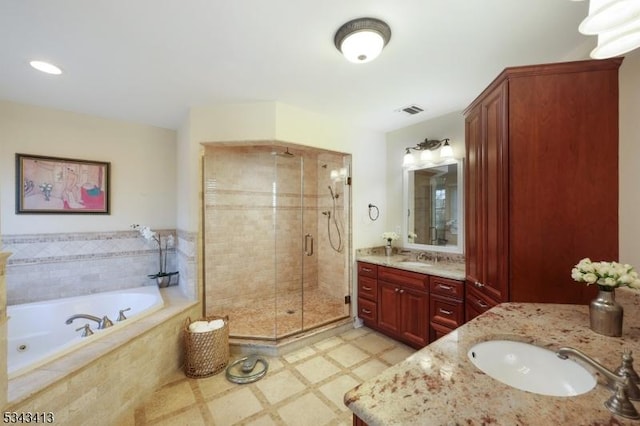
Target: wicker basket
206,353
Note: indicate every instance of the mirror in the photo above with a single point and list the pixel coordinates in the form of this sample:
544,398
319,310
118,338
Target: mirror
433,198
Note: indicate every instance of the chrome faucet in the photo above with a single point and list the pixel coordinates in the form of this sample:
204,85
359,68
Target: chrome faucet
105,322
422,255
619,402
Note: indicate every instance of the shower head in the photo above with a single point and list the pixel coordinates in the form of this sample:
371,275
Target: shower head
331,191
285,154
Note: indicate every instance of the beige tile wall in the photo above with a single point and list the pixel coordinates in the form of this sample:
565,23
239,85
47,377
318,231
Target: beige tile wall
256,219
3,331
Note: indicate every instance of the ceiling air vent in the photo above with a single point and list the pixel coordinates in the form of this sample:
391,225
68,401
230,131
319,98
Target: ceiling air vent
411,109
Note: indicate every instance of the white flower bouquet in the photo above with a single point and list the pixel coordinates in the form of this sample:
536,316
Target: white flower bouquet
390,236
607,275
149,235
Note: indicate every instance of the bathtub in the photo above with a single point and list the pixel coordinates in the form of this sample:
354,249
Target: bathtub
37,332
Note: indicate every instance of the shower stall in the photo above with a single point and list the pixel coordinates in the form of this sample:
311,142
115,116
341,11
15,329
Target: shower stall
276,238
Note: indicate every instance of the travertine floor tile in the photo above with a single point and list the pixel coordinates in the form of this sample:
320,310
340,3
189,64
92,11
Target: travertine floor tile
317,369
307,410
335,390
234,407
305,387
347,355
397,354
168,399
191,417
373,343
279,386
370,369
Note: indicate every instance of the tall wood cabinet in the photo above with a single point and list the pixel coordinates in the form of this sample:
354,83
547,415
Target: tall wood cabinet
541,183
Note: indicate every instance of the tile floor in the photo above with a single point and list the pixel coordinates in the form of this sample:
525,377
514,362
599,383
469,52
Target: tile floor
304,387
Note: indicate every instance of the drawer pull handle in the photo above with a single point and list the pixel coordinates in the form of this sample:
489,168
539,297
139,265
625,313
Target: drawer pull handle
445,287
364,287
401,291
478,284
482,304
366,311
367,270
444,311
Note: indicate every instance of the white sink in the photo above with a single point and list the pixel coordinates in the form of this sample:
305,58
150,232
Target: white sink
418,264
531,368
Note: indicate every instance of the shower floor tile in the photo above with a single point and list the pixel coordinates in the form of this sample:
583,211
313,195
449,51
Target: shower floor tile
285,315
299,390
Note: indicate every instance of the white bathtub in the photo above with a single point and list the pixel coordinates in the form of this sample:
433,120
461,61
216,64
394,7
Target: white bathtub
37,332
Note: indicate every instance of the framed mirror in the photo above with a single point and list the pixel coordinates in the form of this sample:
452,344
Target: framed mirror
433,203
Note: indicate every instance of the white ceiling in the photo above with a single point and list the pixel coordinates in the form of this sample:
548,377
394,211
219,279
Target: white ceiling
149,61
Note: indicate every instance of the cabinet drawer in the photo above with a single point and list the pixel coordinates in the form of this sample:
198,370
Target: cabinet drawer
367,310
446,287
368,288
447,312
437,331
402,277
476,303
367,270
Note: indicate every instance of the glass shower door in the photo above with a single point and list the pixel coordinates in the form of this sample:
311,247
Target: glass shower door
289,242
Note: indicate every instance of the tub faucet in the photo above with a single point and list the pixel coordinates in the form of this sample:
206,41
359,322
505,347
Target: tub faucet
105,322
619,402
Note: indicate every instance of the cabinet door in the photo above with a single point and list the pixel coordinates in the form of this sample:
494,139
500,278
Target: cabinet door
414,317
496,194
388,307
486,189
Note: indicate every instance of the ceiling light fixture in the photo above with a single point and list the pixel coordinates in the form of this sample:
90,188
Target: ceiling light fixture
617,25
361,40
426,148
46,67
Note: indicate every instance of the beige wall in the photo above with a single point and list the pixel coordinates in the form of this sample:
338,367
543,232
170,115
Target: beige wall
629,204
278,121
447,126
143,167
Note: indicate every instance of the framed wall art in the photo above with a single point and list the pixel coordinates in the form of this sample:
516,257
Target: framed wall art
61,185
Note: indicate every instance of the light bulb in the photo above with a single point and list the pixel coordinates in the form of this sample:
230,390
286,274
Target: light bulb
426,155
362,46
408,159
446,151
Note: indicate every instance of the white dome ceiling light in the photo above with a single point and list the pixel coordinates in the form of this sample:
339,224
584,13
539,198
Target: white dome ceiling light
361,40
46,67
617,25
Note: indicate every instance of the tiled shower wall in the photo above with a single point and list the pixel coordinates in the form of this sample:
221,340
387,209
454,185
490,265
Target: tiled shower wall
258,208
50,266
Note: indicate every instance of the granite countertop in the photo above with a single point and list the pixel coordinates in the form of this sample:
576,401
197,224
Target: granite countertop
445,269
438,385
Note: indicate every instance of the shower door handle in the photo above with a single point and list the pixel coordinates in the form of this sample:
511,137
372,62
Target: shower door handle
308,248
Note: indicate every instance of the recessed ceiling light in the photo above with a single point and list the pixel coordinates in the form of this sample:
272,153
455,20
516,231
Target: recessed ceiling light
46,67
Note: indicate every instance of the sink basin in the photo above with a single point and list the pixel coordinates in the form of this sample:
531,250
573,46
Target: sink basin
531,368
418,264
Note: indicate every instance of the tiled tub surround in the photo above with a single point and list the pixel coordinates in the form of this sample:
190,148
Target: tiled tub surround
49,266
258,207
3,330
439,385
101,383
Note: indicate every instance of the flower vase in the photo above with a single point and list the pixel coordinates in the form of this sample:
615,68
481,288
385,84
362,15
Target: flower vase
605,314
388,250
163,280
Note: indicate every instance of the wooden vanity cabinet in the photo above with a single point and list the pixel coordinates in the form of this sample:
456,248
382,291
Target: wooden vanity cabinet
541,182
368,293
403,305
446,306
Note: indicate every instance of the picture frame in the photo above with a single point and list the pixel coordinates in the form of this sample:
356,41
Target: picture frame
53,185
